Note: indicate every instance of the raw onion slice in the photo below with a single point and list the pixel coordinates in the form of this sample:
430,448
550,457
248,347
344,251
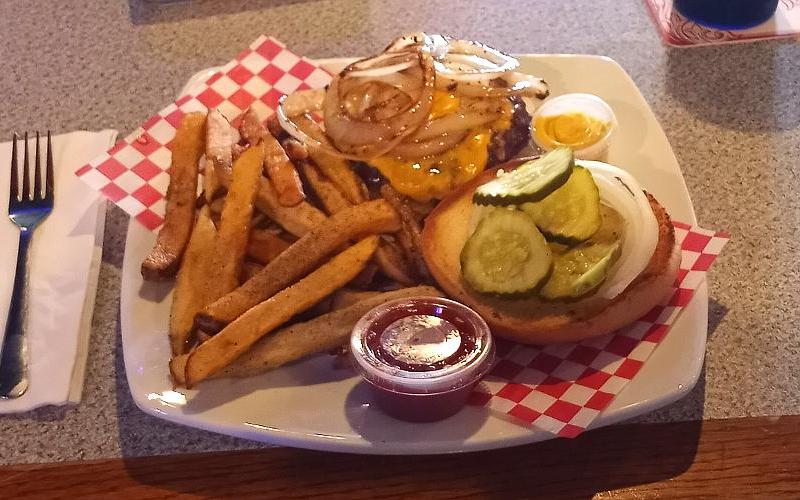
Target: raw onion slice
622,192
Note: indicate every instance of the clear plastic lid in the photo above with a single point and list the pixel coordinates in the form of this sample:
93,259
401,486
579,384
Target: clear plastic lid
422,345
587,104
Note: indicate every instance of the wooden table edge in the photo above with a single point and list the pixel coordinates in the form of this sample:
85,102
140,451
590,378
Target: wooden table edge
750,457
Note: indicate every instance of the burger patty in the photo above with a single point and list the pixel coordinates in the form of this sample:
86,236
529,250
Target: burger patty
508,143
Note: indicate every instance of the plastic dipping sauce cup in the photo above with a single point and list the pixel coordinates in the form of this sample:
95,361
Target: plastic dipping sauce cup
583,122
422,356
727,14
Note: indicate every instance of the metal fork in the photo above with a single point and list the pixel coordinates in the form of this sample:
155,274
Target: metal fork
26,211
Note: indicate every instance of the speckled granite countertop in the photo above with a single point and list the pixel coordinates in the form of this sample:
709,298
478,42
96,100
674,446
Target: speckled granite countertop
731,113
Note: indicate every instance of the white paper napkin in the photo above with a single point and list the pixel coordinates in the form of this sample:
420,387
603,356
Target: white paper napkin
64,265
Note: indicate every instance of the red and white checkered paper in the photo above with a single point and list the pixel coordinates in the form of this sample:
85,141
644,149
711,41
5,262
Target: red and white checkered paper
562,388
559,388
133,173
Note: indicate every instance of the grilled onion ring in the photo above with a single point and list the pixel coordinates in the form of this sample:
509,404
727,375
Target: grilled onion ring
367,130
381,105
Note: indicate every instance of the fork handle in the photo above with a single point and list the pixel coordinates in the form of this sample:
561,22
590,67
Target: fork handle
13,364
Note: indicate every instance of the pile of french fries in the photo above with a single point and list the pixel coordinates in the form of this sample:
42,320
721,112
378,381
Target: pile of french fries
282,252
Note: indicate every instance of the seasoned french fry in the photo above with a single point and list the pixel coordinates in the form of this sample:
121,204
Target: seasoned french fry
201,336
329,195
365,277
234,228
218,155
235,339
219,140
421,209
295,150
276,163
259,218
274,126
216,206
187,146
237,150
392,263
297,341
336,169
372,217
297,220
211,185
251,128
195,282
265,245
346,297
282,173
339,172
249,269
177,369
320,308
410,236
389,261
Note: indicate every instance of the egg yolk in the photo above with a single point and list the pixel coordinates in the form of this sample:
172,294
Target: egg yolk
576,130
434,176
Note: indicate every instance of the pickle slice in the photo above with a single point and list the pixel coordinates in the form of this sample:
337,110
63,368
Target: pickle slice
531,181
506,255
611,228
579,271
571,213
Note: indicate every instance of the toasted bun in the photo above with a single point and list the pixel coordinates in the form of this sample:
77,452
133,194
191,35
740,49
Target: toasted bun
532,320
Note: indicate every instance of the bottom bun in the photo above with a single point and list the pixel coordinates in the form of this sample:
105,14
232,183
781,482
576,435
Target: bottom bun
533,320
637,300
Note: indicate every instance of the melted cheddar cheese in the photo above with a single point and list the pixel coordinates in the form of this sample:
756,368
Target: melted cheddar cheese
443,104
435,176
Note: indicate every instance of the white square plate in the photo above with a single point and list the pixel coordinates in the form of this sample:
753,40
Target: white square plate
312,404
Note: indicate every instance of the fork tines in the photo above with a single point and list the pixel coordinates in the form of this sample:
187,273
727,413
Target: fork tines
37,194
48,183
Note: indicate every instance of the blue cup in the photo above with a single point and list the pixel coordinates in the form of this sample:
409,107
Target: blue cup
727,14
